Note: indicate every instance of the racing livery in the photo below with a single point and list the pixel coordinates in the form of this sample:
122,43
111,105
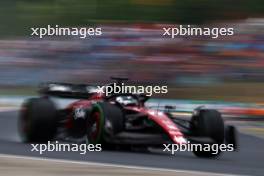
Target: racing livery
118,120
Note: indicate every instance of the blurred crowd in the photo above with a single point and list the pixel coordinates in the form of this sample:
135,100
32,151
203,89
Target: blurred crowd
137,51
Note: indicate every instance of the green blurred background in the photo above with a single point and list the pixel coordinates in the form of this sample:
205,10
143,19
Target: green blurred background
17,15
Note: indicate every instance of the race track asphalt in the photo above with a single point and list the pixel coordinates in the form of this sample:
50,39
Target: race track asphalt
249,160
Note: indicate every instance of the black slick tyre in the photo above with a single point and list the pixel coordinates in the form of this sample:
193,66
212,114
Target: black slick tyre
37,120
208,123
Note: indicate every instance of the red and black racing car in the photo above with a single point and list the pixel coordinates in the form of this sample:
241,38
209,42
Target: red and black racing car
117,120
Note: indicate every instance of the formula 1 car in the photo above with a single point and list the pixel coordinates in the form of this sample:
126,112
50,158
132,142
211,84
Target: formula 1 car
116,120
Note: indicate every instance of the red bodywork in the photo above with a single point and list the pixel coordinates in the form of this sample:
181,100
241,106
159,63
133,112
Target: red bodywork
159,117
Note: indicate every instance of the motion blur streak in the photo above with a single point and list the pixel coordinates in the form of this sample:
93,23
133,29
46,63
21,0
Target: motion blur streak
224,72
229,63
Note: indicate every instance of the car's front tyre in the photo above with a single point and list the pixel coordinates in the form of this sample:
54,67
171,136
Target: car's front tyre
208,123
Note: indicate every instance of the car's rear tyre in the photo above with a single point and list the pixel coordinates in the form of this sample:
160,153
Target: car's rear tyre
208,123
37,120
104,120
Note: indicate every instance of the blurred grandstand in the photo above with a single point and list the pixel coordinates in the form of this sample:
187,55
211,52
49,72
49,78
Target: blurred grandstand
140,52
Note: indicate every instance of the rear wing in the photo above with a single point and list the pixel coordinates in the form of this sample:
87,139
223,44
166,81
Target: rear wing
67,90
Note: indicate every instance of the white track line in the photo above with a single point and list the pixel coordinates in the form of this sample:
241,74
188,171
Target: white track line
8,109
115,165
